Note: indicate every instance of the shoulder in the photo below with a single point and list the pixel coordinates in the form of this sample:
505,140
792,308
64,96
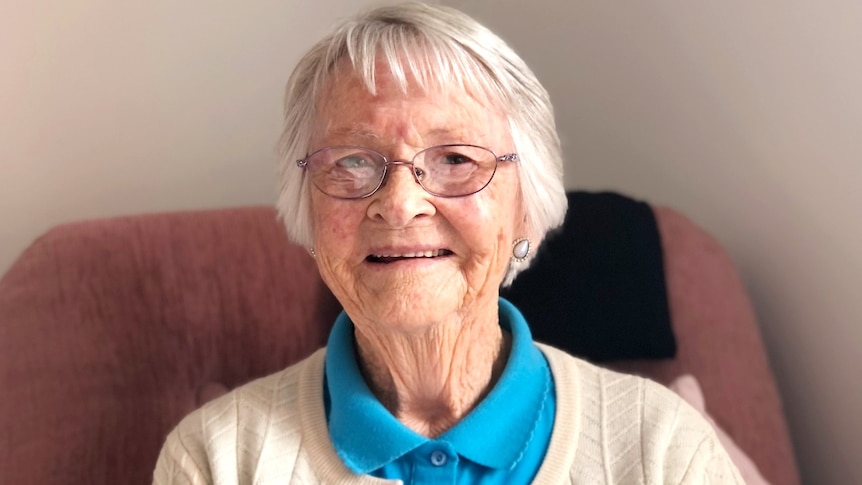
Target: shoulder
654,404
597,391
640,430
205,443
251,404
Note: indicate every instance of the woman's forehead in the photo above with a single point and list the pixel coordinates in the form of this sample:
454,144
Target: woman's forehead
348,110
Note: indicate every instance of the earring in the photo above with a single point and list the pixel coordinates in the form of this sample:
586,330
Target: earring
313,254
521,249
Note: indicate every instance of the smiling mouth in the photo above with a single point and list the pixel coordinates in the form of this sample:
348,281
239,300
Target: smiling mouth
391,258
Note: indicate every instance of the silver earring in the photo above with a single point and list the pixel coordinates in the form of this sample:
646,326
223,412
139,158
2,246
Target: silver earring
313,254
521,249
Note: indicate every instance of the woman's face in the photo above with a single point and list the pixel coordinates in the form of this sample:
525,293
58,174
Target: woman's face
469,237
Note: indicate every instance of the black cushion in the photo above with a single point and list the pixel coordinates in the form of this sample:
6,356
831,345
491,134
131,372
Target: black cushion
596,288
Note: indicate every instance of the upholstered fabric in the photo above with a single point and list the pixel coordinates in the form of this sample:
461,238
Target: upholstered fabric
111,331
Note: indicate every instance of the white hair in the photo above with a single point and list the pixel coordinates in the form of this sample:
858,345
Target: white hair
436,46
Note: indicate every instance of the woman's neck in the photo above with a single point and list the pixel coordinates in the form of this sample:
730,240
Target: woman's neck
429,381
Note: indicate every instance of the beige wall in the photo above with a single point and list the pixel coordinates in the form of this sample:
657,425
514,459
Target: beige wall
114,107
748,117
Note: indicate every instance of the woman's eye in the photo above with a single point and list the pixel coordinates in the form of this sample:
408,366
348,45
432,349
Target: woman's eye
456,159
354,161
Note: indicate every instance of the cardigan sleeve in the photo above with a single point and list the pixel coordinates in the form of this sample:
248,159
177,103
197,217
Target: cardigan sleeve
711,465
688,448
178,465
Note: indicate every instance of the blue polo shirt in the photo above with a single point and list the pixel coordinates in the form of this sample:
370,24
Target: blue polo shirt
503,440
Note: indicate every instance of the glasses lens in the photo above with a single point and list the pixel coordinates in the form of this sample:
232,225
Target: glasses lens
346,172
455,170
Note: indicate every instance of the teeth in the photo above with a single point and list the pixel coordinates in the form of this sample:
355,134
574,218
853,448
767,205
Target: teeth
419,254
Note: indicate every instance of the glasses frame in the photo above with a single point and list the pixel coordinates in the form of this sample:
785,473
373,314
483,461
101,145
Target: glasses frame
509,157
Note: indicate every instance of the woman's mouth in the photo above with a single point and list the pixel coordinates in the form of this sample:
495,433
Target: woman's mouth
390,258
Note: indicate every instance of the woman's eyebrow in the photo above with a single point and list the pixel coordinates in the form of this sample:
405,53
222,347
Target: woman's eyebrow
461,135
353,132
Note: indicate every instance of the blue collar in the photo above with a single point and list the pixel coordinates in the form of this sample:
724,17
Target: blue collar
495,434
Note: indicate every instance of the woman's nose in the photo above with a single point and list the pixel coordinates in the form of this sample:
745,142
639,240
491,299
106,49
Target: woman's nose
400,199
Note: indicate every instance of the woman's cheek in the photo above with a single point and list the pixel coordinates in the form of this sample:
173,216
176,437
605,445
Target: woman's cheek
336,225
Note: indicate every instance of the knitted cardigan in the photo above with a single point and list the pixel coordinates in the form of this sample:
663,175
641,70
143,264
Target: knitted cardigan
610,428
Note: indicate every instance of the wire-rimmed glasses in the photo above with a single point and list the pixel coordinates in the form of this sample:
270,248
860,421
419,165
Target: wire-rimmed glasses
348,172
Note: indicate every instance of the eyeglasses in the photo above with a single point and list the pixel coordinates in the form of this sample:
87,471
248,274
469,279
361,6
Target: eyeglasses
347,172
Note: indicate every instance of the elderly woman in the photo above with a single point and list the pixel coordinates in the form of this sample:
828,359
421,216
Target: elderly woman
421,169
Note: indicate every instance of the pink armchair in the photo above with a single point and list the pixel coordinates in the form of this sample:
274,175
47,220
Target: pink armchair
112,330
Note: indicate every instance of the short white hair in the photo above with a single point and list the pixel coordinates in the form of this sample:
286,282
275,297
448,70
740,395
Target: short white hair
436,46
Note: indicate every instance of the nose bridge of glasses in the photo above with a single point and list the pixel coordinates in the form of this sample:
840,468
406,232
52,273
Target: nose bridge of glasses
411,164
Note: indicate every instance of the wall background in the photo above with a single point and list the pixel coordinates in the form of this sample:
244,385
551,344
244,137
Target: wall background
745,115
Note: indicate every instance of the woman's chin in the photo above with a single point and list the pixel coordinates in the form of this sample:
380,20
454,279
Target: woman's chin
412,306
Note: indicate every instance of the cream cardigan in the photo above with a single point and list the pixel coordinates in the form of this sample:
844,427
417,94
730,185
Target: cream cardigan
610,428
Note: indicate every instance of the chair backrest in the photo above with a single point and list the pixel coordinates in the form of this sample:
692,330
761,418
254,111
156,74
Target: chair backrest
719,342
112,330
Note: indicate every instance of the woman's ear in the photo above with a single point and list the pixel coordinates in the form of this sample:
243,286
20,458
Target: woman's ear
524,229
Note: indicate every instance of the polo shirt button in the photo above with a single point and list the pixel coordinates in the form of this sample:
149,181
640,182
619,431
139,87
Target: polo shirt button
438,458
